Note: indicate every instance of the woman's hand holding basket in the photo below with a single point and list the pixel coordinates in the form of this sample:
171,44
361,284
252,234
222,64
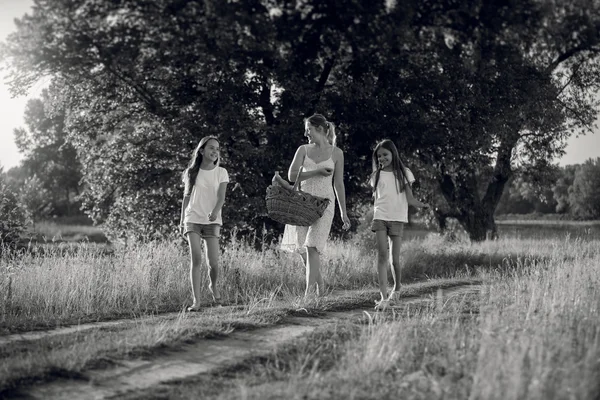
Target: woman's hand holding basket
278,180
294,207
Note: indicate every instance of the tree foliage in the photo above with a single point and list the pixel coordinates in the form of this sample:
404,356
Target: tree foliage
13,216
50,160
570,190
561,188
35,198
584,194
470,91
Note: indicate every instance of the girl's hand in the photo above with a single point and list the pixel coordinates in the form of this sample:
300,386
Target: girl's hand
325,171
346,220
212,216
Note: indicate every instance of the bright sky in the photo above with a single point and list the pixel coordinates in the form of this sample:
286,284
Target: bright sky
11,109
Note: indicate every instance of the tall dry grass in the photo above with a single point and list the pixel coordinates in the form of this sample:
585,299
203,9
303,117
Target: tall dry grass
75,282
532,333
68,283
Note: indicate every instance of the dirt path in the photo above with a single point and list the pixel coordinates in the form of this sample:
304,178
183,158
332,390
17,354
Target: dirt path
37,335
188,360
197,358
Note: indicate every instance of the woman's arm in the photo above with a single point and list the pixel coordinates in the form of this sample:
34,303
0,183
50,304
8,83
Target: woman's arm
339,187
297,163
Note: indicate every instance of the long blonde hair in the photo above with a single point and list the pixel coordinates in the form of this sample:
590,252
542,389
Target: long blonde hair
328,127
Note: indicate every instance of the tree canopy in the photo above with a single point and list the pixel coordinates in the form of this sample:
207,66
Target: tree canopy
471,92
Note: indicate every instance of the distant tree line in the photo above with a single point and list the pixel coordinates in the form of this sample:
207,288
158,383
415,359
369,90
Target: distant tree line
572,190
472,92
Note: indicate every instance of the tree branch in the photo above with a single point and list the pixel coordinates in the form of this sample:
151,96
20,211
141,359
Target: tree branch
570,53
575,71
576,115
265,103
502,172
323,80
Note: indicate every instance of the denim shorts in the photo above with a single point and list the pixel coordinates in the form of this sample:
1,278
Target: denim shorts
206,231
392,228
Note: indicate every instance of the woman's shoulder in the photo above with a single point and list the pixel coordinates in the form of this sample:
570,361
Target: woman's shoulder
303,148
337,153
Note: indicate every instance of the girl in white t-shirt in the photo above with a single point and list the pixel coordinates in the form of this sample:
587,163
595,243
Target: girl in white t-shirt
205,185
391,182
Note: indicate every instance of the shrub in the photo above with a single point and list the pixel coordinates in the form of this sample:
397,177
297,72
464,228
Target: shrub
13,216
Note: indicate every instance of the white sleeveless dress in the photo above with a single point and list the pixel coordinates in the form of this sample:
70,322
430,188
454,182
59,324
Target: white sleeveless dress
298,238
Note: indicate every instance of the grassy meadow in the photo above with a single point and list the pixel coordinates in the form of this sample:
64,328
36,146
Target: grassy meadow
532,331
66,229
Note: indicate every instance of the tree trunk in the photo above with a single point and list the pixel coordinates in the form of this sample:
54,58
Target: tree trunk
441,221
476,214
68,201
479,224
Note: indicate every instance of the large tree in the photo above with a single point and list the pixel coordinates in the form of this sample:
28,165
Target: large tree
470,91
512,80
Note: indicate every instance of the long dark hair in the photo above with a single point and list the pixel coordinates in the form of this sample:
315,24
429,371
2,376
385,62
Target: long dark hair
397,165
191,172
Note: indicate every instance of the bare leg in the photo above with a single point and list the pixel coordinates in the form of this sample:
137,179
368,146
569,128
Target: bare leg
314,280
382,262
212,261
395,243
195,243
304,258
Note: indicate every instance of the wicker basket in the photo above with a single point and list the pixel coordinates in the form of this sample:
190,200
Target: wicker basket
294,207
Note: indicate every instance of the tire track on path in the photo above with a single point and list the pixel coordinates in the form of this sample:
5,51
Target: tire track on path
37,335
203,356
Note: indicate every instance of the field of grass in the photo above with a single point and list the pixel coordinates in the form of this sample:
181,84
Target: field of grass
532,332
547,229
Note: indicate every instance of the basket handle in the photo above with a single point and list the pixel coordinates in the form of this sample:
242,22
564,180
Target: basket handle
297,181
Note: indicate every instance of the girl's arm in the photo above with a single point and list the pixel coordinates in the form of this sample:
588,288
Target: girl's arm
184,204
339,187
297,163
411,199
220,201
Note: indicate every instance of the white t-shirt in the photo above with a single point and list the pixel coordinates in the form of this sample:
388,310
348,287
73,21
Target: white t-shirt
204,196
390,203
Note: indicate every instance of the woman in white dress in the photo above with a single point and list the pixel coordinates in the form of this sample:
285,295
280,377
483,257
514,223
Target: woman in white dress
322,175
